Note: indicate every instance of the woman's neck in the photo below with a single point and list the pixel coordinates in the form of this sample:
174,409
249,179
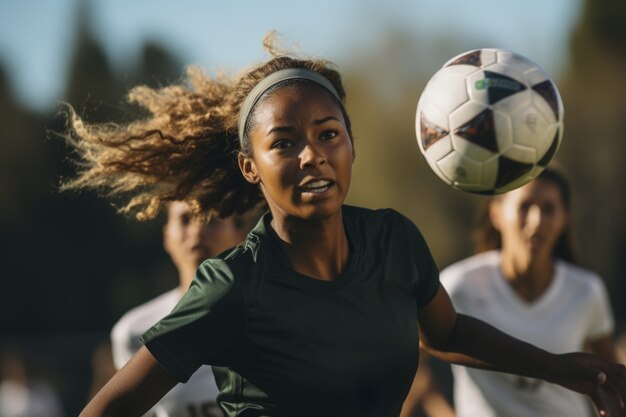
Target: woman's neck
317,248
529,276
185,276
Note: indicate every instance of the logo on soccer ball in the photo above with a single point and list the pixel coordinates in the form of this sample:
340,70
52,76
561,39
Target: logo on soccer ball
502,83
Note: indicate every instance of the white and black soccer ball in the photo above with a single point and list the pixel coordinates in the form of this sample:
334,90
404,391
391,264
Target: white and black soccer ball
489,121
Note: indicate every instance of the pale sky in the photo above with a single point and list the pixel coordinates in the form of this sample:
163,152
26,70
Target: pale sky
36,35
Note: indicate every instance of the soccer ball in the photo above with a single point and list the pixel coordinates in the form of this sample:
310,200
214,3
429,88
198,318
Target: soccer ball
489,121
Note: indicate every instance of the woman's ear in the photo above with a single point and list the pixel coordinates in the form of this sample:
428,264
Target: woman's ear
248,168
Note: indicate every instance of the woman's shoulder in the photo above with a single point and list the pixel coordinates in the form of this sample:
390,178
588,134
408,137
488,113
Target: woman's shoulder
230,266
475,267
579,276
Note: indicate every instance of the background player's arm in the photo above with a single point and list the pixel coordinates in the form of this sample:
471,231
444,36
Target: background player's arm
133,390
467,341
604,347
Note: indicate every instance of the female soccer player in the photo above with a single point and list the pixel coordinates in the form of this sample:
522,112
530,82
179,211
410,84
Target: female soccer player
317,313
525,282
188,241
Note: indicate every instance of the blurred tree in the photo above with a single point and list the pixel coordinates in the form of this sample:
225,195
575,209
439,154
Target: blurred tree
71,265
594,93
73,254
20,158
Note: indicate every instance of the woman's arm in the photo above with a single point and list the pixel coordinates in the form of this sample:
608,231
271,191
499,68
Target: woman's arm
133,390
467,341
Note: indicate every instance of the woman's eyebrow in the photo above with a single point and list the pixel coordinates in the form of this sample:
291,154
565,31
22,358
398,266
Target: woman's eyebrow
324,120
280,129
291,128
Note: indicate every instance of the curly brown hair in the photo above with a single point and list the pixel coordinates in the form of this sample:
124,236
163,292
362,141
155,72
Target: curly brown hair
186,149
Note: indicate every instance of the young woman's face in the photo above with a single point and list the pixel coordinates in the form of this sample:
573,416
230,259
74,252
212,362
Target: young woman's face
302,152
531,218
190,241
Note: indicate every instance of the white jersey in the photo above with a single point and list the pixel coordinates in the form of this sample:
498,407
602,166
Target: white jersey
196,397
573,309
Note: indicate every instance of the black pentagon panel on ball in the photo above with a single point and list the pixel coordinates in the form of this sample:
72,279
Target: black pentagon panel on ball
547,90
480,130
430,132
543,162
500,86
509,170
472,58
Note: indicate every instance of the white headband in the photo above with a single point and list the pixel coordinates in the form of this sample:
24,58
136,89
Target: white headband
273,79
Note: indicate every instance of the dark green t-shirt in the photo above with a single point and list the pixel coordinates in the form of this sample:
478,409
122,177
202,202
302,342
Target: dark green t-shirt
285,344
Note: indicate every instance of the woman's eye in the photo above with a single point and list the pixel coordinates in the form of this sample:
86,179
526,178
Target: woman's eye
329,134
281,144
524,207
185,219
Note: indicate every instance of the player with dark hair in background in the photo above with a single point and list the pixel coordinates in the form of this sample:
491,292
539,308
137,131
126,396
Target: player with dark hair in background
525,281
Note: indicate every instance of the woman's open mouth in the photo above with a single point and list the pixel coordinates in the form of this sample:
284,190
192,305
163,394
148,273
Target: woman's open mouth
316,187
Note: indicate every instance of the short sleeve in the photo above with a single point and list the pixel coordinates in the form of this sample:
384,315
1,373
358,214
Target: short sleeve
601,322
427,283
205,327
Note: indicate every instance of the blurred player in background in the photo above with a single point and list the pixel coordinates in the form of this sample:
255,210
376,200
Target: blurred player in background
188,241
22,393
525,281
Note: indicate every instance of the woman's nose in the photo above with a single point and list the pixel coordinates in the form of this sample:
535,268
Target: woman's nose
534,216
310,156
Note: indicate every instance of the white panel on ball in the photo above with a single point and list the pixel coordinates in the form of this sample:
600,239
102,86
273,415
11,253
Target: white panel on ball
529,126
459,169
523,154
453,83
536,76
440,148
489,173
470,150
504,127
521,63
465,113
433,115
549,137
544,108
488,56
